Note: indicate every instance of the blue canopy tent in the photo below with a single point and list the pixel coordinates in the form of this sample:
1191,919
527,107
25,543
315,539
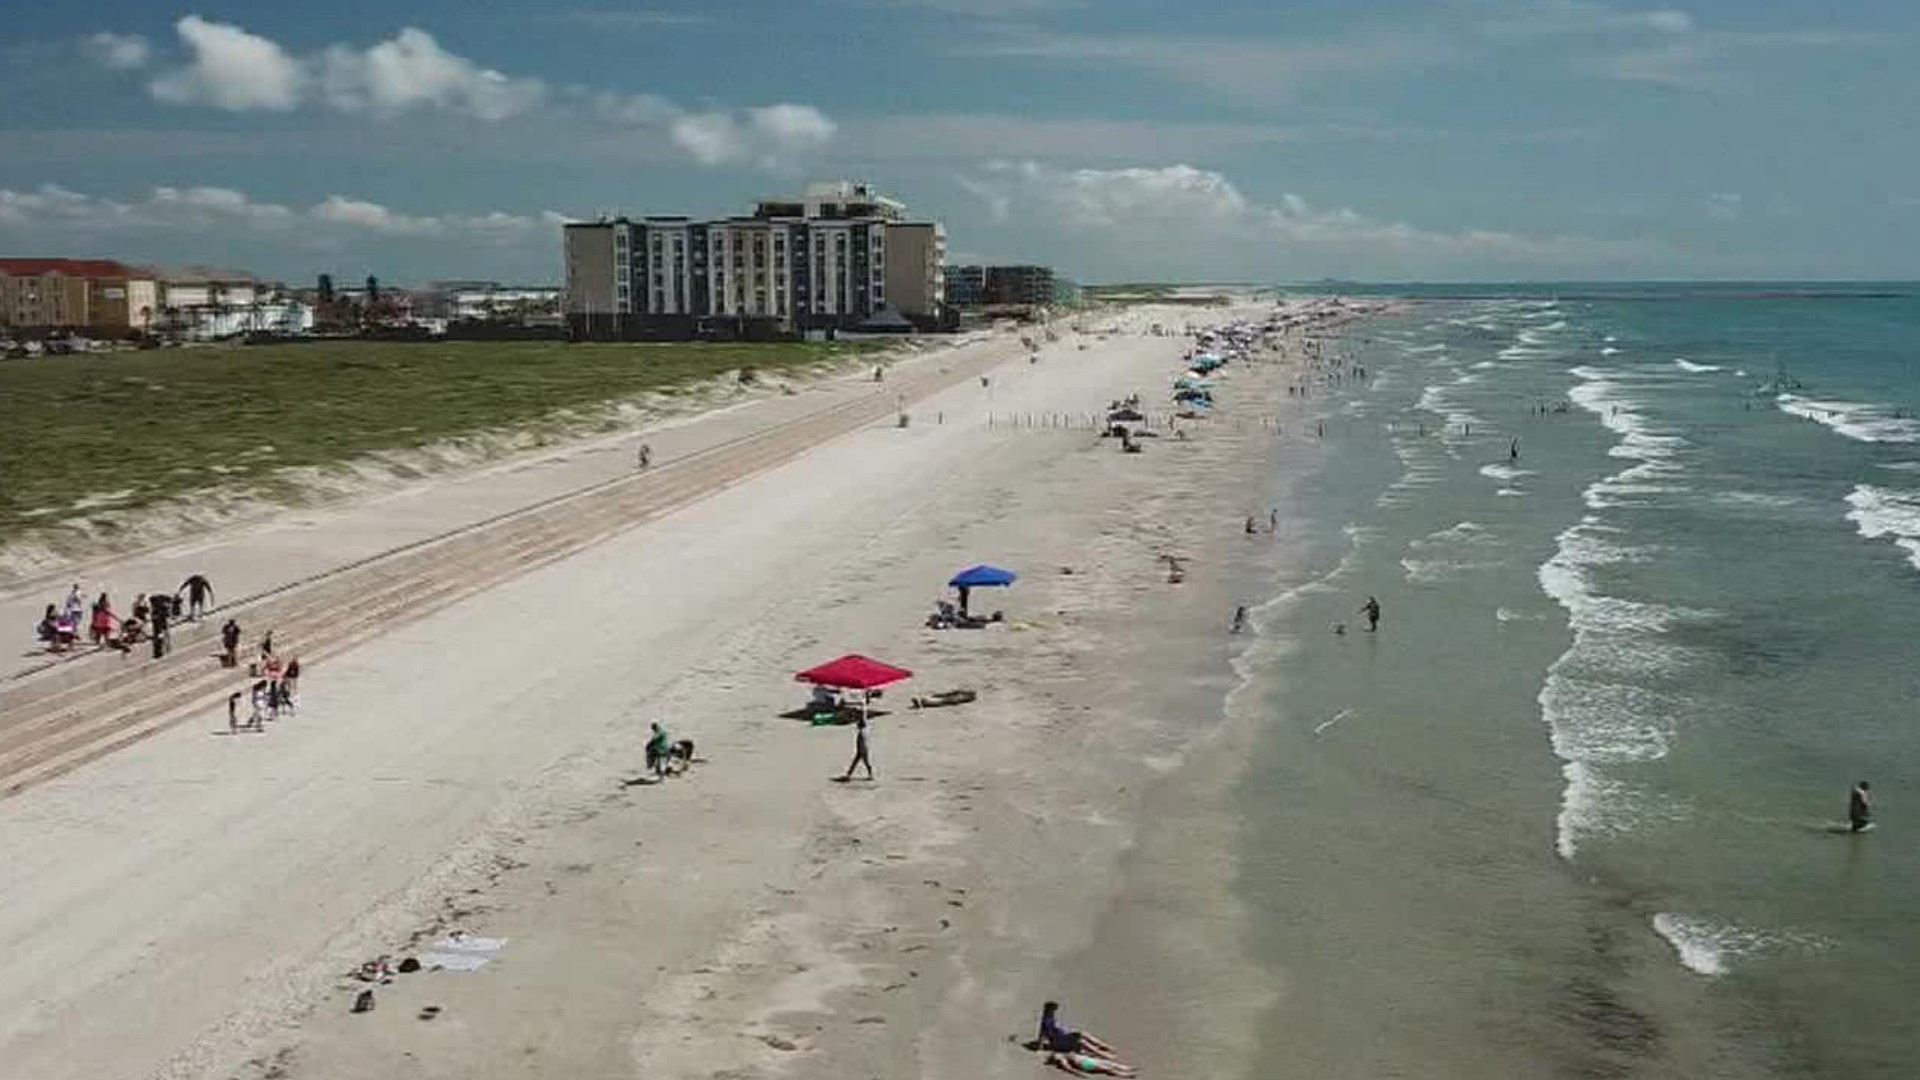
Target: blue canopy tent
980,577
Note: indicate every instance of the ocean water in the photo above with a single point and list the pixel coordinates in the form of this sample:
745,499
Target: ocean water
1577,808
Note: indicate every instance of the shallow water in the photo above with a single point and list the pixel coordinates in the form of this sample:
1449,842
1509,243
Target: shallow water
1569,812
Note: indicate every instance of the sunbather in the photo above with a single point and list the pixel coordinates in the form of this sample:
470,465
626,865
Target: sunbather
1057,1037
1087,1063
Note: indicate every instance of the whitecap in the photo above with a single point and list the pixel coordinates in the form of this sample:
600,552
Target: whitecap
1711,947
1862,421
1608,350
1701,946
1756,498
1499,471
1886,514
1687,365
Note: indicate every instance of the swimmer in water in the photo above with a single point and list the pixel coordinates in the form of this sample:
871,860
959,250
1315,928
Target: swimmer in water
1859,808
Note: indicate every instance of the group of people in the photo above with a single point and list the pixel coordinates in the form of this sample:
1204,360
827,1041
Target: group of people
148,620
275,682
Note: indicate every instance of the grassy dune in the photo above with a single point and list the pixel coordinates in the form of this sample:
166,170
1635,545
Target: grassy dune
125,430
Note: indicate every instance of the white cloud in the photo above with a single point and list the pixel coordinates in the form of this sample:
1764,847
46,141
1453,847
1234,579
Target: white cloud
769,136
990,8
218,203
236,70
231,69
121,52
411,70
635,20
50,203
51,208
360,214
1702,60
1555,17
790,128
1247,69
1178,212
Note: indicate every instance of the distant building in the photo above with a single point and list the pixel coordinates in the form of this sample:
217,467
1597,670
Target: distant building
966,286
833,258
1000,286
95,296
486,301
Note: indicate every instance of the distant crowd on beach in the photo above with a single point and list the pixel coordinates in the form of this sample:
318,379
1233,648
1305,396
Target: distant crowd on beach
273,680
148,621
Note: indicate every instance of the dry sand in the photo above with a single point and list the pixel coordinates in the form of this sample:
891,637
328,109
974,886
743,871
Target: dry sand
187,907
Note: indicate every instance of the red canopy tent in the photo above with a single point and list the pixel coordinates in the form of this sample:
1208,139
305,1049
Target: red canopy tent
854,672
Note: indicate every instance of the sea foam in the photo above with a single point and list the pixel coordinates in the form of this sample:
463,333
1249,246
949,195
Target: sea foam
1687,365
1886,514
1864,421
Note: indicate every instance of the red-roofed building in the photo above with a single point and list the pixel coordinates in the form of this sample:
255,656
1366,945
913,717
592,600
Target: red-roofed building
100,296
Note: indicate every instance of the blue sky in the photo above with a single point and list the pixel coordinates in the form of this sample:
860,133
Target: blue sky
1115,139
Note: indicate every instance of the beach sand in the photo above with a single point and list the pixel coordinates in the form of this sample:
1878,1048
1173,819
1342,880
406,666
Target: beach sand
190,907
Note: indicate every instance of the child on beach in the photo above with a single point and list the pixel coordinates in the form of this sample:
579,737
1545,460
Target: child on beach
861,754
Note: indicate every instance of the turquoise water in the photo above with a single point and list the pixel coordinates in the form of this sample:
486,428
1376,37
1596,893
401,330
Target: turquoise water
1573,810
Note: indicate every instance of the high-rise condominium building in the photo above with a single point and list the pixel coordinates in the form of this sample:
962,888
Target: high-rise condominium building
835,257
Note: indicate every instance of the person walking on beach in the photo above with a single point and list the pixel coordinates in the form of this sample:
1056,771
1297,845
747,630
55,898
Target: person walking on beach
230,643
1859,808
1371,609
199,594
1250,528
74,605
1513,450
644,457
1273,520
233,713
290,684
861,750
1239,620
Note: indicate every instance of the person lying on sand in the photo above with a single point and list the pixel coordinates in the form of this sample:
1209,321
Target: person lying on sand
1083,1063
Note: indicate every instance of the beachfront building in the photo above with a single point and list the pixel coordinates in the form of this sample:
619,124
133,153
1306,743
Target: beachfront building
966,286
100,297
1004,287
834,258
484,301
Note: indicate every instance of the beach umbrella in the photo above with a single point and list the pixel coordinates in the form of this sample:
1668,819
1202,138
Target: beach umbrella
975,577
978,577
854,672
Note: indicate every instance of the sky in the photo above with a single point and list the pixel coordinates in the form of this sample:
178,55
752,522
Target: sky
1117,140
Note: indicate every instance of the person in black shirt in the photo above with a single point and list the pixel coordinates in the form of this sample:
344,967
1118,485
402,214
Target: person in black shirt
199,594
1860,808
